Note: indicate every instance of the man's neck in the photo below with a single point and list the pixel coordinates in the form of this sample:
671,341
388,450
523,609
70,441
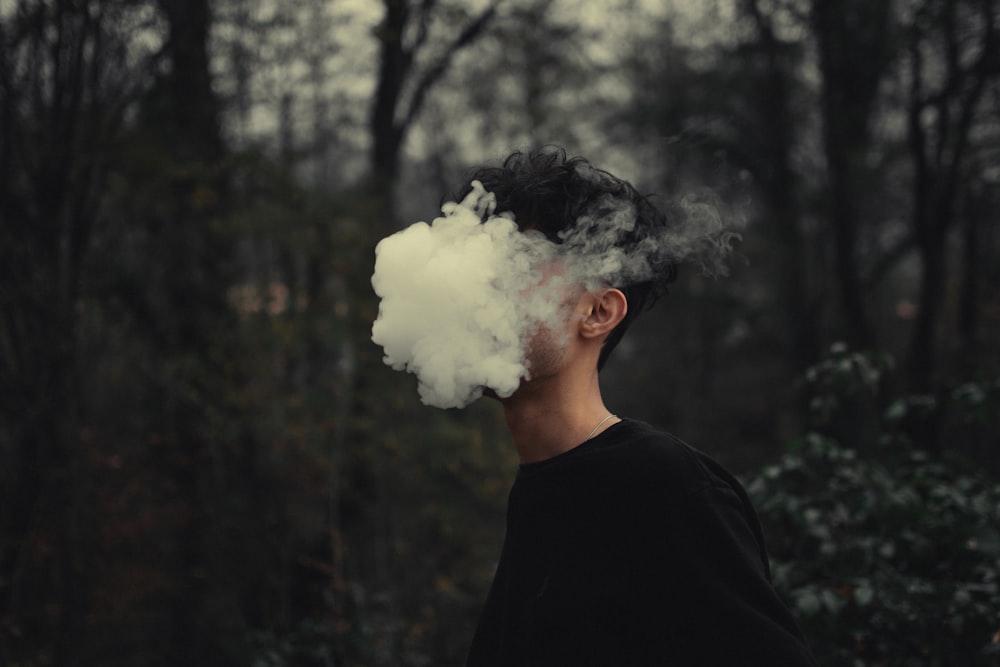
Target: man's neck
554,415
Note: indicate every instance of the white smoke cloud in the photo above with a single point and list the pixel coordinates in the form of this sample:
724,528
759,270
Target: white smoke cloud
455,297
461,296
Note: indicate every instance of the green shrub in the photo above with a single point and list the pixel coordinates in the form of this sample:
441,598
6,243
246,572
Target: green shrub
884,563
891,558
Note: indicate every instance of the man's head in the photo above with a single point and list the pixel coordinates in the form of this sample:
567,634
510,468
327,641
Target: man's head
603,217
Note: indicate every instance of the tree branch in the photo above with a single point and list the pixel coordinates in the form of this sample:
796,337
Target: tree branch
439,67
422,29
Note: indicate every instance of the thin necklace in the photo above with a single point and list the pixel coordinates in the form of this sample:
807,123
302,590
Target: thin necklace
599,424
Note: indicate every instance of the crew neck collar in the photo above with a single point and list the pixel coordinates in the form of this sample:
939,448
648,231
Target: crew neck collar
528,469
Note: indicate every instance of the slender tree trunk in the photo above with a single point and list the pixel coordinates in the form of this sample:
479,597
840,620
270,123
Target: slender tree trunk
392,114
395,62
941,118
780,184
975,215
853,54
50,164
193,106
192,262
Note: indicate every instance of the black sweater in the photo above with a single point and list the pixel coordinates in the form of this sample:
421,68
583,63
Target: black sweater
633,549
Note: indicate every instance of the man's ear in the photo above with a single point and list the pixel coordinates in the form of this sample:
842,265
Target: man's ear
606,308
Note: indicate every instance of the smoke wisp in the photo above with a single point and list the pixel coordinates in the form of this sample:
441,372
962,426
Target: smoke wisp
461,296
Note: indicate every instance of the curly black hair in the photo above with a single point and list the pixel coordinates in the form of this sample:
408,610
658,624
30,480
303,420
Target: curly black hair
552,193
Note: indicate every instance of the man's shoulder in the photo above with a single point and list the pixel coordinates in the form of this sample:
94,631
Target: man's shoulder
662,459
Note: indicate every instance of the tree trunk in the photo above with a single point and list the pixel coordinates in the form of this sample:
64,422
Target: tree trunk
975,216
392,115
853,53
52,145
941,118
192,262
394,67
780,185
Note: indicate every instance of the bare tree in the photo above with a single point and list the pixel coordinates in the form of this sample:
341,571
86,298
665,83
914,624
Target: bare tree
952,58
855,45
68,75
780,129
408,70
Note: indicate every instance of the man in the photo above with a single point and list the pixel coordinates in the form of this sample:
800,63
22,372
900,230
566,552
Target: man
624,545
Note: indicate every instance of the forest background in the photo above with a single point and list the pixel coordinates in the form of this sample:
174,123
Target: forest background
203,460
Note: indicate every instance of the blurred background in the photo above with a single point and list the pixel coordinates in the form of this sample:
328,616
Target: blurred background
203,460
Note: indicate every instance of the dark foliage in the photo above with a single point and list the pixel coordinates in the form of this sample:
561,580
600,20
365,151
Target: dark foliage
889,557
